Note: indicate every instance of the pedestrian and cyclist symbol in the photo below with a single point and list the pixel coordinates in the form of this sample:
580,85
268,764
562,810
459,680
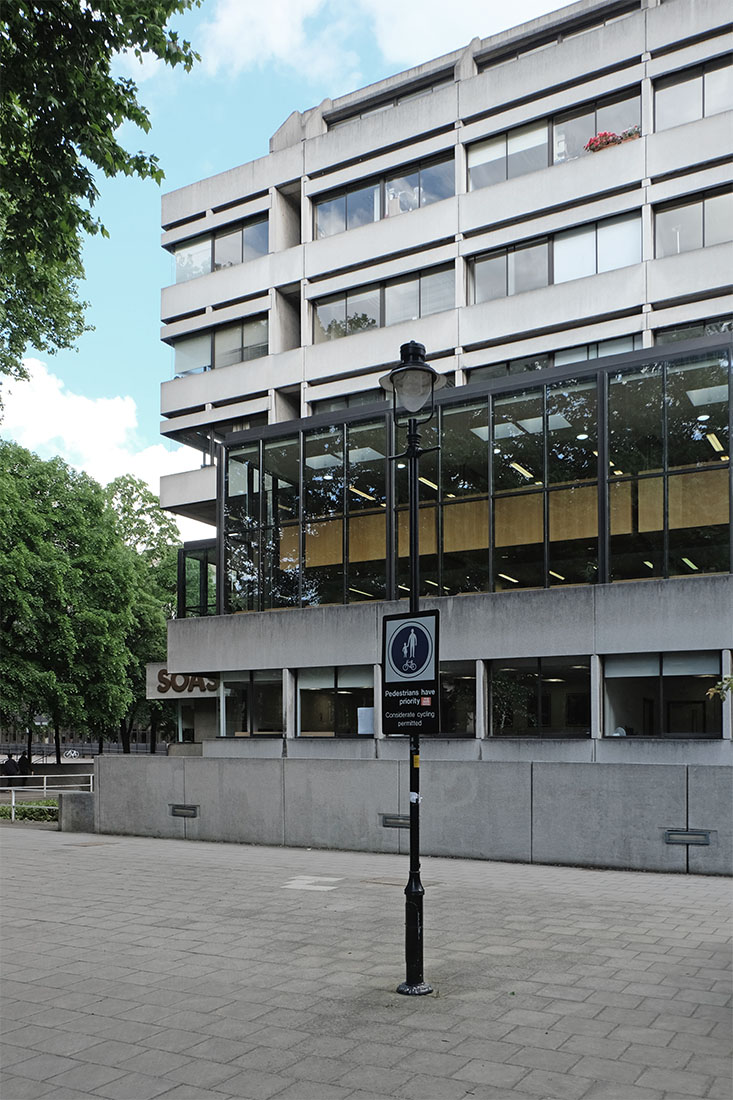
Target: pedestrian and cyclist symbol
410,649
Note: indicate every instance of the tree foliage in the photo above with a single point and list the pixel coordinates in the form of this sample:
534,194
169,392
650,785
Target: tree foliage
67,590
81,610
60,111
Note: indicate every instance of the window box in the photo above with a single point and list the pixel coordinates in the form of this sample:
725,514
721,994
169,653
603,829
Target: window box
605,138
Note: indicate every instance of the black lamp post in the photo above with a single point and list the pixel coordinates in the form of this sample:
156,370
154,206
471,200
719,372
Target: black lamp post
412,385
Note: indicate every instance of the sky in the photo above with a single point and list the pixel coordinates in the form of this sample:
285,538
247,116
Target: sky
98,406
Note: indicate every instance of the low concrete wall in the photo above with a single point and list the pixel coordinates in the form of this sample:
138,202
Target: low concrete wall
574,813
76,812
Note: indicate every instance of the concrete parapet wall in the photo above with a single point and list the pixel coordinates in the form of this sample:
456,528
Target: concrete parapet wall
541,811
76,812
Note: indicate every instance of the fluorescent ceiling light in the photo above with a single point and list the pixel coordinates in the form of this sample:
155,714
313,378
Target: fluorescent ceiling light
364,454
558,575
690,563
359,592
430,484
649,564
367,496
506,431
708,395
522,470
434,583
704,416
403,587
714,441
320,462
482,433
506,578
401,465
533,424
553,680
583,435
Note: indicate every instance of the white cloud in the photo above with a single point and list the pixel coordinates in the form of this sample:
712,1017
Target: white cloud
306,35
439,28
322,39
97,435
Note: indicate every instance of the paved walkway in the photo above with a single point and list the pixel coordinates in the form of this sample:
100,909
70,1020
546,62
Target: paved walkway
138,968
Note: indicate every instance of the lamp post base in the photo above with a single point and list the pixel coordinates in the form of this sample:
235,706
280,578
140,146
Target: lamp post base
417,990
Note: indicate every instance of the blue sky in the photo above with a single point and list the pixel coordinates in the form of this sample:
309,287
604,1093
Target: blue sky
98,407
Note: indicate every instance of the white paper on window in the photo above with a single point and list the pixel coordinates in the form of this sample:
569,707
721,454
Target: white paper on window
574,254
619,242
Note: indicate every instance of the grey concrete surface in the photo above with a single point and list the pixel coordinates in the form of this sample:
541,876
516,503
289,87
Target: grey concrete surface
139,968
76,811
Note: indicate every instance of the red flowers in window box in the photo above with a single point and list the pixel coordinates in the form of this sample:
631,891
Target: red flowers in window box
604,138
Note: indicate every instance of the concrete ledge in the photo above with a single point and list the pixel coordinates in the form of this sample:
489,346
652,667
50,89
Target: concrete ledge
76,812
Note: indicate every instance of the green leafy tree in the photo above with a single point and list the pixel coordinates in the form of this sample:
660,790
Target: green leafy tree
152,539
66,592
60,111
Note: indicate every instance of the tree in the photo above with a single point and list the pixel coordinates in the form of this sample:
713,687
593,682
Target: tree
152,539
66,592
60,110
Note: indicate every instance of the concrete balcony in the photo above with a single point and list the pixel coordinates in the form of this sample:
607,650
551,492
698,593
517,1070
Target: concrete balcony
191,493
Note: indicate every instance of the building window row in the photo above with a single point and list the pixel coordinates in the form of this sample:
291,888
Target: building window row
408,189
615,475
230,246
221,347
404,299
693,93
657,695
570,254
549,141
699,223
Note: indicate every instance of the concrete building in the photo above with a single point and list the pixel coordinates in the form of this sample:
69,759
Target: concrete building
550,212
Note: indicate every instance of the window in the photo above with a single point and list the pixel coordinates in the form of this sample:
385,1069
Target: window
192,259
704,222
693,93
417,185
540,697
548,141
254,704
221,347
572,254
458,698
230,246
192,354
336,702
404,299
662,695
197,580
694,330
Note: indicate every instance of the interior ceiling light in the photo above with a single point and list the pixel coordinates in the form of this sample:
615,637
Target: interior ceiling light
533,424
649,564
583,435
433,583
708,395
401,465
522,470
403,587
714,441
359,592
320,462
430,484
506,578
364,454
452,496
553,680
704,416
618,472
723,458
497,451
558,575
367,496
691,564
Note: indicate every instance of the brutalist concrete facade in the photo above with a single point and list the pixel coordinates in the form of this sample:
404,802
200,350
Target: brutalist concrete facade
599,799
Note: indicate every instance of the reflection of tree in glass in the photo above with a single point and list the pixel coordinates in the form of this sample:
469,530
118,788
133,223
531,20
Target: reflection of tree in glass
355,322
514,705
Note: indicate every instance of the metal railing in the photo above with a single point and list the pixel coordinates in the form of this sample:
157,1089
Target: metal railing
83,781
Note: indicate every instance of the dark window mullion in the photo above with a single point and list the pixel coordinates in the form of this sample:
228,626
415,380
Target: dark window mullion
345,514
665,477
490,467
301,516
545,492
604,525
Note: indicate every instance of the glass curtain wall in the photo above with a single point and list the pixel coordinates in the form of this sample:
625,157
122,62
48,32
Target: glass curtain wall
612,475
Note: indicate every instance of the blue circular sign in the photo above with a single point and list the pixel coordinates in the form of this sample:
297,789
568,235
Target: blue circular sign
410,650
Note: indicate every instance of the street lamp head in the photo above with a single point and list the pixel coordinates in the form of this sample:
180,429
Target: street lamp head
412,383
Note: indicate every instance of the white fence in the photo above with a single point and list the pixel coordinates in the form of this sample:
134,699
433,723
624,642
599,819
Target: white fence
45,785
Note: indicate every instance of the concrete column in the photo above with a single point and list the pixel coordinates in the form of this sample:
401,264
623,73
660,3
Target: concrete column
483,726
378,732
461,176
306,214
290,714
728,701
596,696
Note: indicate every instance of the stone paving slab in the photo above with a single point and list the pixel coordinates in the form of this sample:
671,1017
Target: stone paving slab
136,968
